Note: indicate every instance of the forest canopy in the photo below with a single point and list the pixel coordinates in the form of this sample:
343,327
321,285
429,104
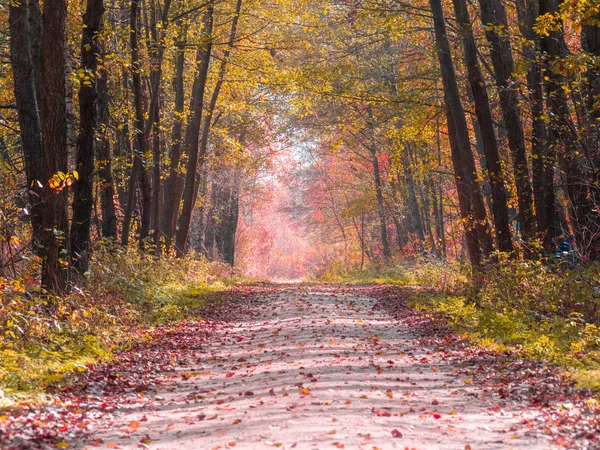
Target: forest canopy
282,137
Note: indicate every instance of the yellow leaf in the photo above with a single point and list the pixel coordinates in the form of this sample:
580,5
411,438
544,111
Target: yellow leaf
62,444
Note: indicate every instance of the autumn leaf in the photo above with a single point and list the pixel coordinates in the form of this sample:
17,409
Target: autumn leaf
305,391
396,433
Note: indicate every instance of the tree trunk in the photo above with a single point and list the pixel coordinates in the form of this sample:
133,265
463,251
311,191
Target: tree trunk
493,16
387,253
172,184
53,115
105,176
140,138
486,125
215,95
564,140
88,119
35,40
192,134
543,157
470,197
24,75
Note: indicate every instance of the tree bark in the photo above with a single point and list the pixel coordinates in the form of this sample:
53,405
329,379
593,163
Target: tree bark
564,140
172,184
470,197
493,15
543,157
53,115
105,176
486,125
88,120
24,75
140,137
192,134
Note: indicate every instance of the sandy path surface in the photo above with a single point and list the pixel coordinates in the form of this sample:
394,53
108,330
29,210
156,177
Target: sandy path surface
317,367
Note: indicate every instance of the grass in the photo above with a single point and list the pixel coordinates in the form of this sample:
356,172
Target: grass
43,339
539,311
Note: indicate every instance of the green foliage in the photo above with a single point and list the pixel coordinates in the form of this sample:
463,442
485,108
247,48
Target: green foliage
447,276
541,311
43,338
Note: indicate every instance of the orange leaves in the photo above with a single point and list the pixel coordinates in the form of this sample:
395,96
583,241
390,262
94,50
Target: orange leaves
389,393
304,391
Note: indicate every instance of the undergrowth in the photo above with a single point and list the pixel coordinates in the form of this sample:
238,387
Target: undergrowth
43,338
542,311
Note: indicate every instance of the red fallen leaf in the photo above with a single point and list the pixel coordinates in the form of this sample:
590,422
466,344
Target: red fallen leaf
435,402
437,416
396,433
95,443
272,392
229,374
339,445
201,416
236,421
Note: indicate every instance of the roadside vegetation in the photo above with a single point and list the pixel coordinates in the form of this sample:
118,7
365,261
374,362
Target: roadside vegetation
43,338
537,310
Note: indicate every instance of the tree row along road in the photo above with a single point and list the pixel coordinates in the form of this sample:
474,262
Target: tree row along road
304,367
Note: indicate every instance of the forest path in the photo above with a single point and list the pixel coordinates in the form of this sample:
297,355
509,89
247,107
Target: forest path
316,367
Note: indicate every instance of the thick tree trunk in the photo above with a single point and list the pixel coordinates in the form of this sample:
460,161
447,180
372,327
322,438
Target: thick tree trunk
486,125
472,207
88,119
24,75
53,115
493,16
192,135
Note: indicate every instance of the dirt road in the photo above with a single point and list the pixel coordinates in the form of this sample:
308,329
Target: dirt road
313,367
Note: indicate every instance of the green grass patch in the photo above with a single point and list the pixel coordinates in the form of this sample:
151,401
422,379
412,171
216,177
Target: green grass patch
126,294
